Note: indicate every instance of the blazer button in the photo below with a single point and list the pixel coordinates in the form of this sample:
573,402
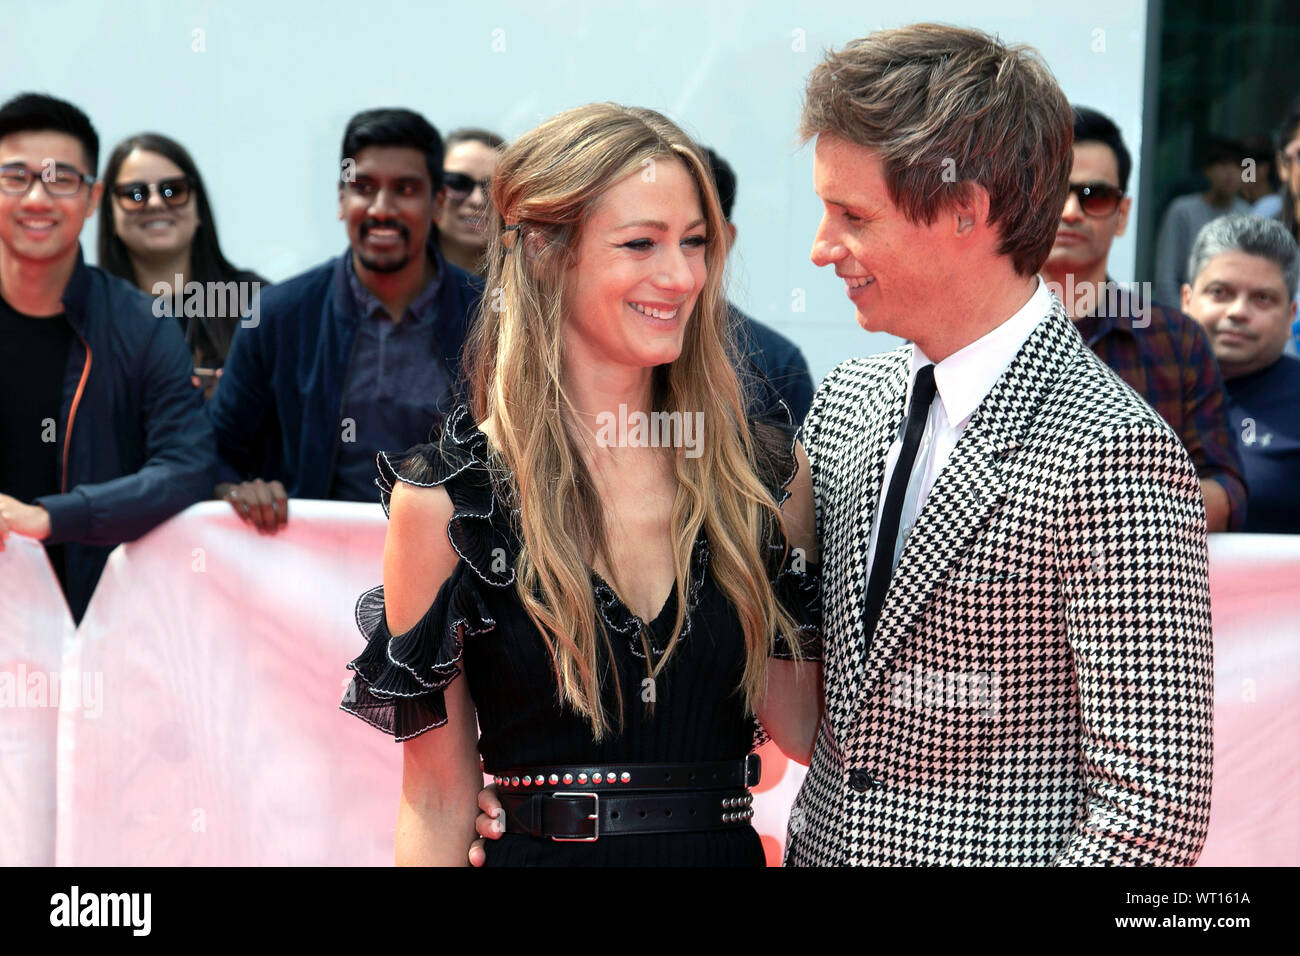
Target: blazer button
862,781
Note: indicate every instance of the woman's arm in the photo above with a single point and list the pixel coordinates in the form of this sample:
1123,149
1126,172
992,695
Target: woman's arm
440,768
792,710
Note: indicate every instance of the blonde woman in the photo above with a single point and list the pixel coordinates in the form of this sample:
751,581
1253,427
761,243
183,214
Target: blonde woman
622,601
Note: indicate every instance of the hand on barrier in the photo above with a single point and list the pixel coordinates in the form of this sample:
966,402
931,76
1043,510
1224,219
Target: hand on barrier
490,824
31,521
263,504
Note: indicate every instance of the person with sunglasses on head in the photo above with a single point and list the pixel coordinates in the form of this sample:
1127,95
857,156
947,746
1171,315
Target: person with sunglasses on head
156,225
1165,356
471,159
102,431
357,354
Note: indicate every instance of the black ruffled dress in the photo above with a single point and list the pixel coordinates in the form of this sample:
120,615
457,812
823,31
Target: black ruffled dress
698,714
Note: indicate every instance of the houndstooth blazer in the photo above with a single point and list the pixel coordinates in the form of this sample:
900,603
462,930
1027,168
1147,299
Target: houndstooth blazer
1039,689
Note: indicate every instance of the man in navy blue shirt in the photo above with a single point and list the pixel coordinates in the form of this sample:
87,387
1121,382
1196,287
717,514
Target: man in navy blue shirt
772,367
1244,273
357,355
102,432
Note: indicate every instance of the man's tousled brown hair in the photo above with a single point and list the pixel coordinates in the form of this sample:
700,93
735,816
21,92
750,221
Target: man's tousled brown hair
944,107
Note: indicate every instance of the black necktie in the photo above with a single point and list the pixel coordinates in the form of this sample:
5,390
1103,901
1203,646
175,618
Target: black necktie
882,567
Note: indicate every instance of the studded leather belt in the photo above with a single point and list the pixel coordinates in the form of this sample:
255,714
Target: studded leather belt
576,803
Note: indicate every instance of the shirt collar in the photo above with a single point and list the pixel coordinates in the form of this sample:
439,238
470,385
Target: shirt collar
1102,320
418,311
966,376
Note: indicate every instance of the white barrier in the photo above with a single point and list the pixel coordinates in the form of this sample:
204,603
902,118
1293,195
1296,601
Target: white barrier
34,627
1255,600
210,667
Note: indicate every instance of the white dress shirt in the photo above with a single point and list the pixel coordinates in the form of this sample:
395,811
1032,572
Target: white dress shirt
962,381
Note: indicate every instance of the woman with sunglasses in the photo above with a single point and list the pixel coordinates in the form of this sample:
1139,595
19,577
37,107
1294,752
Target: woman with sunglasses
615,602
156,224
470,160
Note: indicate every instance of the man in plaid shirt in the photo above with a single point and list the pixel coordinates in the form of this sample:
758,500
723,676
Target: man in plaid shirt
1165,356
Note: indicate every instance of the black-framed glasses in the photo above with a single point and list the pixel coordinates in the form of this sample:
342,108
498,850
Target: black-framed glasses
1097,199
60,180
175,192
463,184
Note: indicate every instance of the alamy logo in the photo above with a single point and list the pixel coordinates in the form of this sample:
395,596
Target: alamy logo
922,688
102,909
211,299
652,430
1131,303
69,691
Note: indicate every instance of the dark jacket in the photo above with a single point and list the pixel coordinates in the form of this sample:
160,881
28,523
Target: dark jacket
1167,358
134,445
277,411
771,367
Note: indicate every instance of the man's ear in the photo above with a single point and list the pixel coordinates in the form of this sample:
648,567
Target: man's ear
93,197
1121,224
439,204
340,202
970,209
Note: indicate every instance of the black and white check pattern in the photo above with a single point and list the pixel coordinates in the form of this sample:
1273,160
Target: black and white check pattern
1039,689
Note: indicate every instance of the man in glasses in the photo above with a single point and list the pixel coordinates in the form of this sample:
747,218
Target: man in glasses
102,433
1161,353
357,355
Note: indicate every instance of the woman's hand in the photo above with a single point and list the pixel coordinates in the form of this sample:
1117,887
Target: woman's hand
490,824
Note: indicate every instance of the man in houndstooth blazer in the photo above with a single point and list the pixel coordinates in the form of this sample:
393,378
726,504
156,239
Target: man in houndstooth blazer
1038,687
1060,564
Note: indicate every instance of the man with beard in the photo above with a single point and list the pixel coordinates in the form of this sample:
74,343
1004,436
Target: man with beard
358,354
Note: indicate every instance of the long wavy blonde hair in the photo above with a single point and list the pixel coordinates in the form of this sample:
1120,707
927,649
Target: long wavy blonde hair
546,184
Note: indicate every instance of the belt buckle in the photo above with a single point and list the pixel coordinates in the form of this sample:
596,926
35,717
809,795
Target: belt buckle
594,816
753,770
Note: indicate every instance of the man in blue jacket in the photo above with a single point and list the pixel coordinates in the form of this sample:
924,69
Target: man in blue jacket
102,432
357,355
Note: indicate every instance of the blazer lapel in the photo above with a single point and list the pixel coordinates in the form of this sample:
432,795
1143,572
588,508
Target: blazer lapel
878,420
969,489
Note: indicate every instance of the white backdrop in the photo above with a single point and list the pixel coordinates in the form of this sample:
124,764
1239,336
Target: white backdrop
263,105
215,738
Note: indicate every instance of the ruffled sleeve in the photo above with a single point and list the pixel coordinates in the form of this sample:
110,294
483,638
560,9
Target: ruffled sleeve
400,678
796,581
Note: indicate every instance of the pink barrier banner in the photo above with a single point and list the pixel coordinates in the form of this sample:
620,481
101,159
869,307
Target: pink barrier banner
35,628
1255,602
197,721
221,742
